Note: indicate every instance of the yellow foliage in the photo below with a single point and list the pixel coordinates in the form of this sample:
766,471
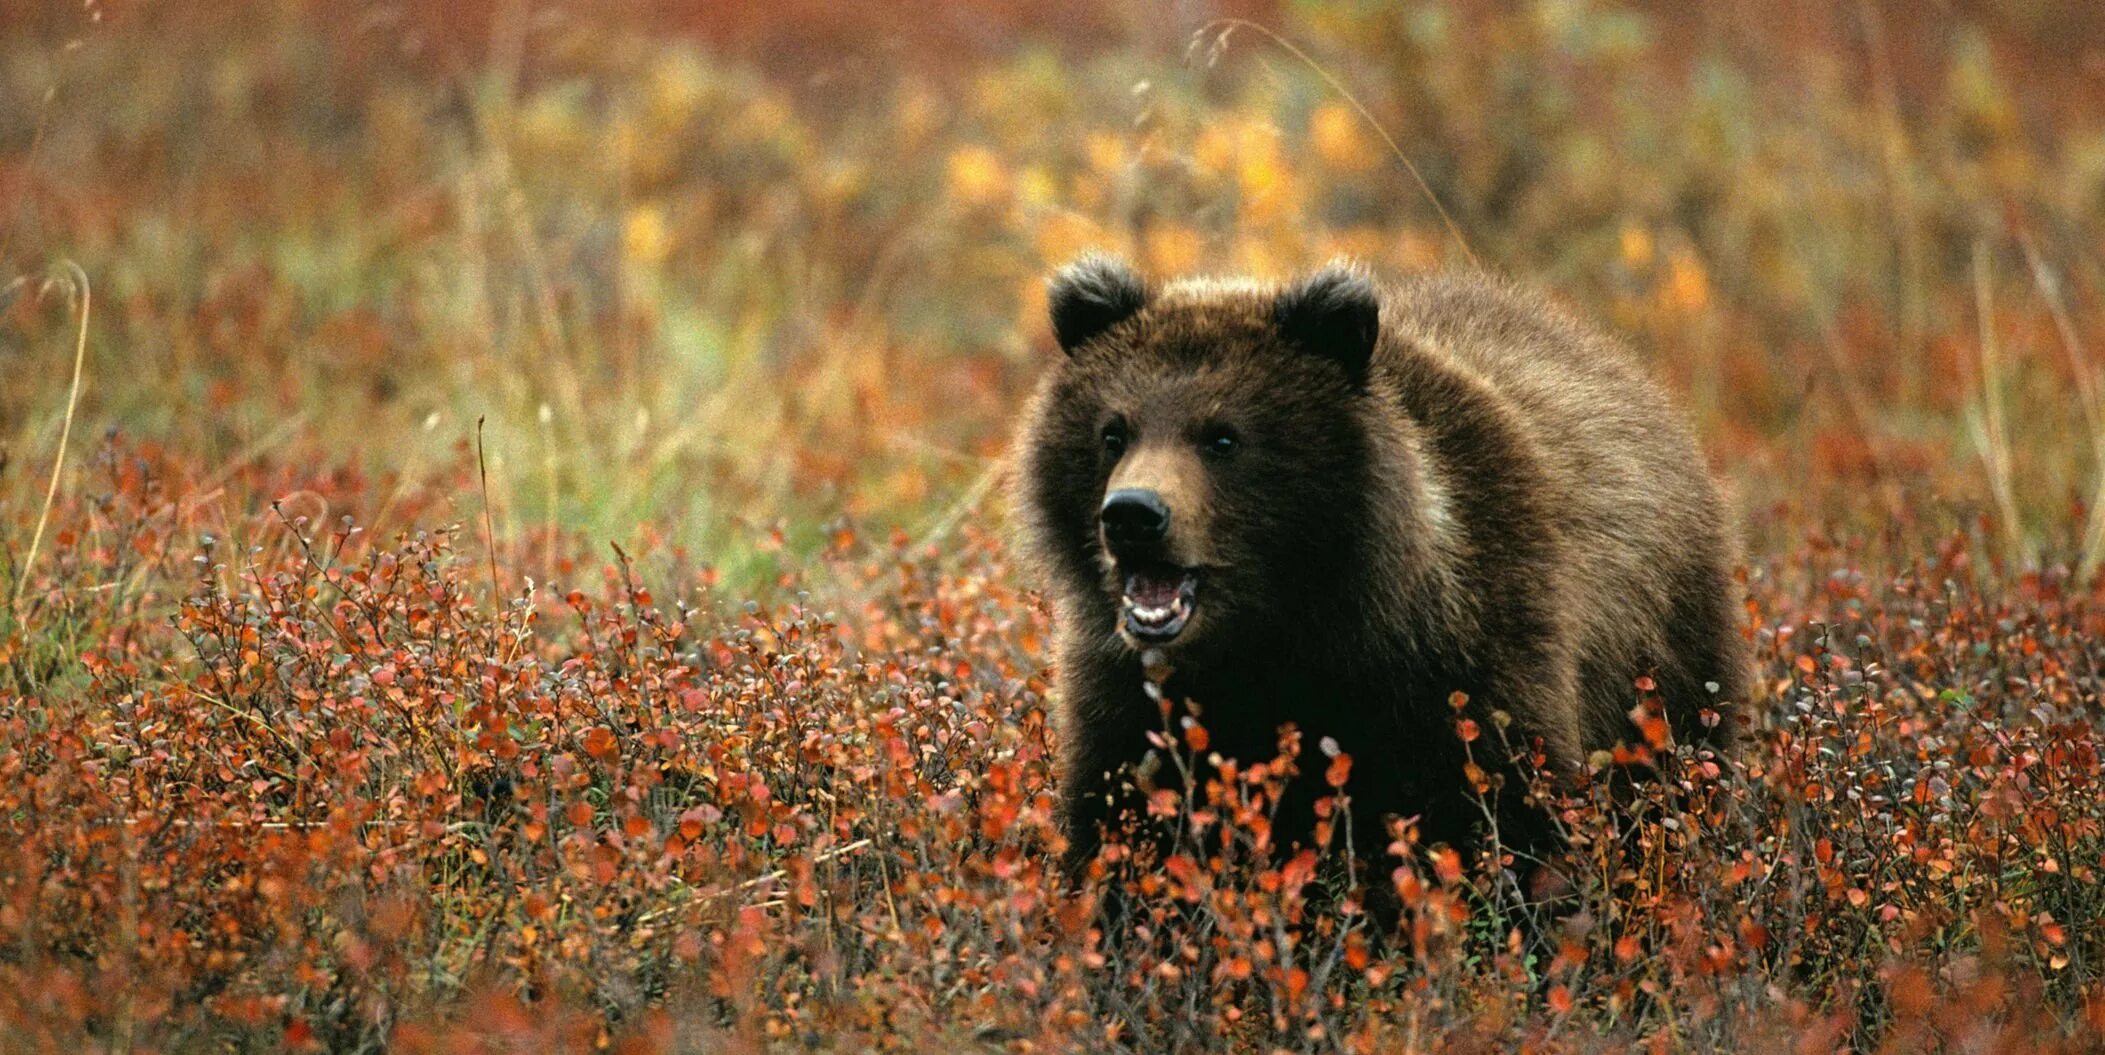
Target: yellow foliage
1173,249
1260,173
1338,138
1687,287
919,114
645,236
1359,243
674,88
1106,152
845,180
1214,151
977,176
1420,250
547,124
1636,245
1037,187
1062,235
1256,258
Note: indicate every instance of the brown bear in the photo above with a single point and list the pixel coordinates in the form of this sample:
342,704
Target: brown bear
1338,505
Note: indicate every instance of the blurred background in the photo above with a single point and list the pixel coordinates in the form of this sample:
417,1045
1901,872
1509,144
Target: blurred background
717,275
752,289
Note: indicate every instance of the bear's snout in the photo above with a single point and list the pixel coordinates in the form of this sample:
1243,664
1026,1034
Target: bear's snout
1135,520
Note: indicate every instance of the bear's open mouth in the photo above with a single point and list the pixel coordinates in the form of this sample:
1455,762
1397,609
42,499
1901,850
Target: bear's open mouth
1159,601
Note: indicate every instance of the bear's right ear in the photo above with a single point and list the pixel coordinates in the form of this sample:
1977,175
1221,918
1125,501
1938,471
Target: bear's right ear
1091,295
1334,313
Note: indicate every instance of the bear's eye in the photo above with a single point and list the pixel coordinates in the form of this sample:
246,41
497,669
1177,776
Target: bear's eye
1115,439
1219,440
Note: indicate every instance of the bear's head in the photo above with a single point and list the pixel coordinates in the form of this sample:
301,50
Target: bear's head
1196,469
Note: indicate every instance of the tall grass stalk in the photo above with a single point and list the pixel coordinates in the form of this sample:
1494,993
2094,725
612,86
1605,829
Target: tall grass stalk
1989,419
78,285
2090,393
1226,26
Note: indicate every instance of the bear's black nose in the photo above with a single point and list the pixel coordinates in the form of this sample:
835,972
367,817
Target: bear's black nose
1134,517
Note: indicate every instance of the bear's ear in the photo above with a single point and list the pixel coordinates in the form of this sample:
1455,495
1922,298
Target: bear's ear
1334,313
1091,295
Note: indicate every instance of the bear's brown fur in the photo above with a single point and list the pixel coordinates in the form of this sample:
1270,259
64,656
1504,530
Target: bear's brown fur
1337,505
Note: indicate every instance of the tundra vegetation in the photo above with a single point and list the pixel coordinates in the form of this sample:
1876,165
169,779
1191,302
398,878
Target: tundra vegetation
500,542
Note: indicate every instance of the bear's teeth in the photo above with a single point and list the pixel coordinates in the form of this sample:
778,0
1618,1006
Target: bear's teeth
1159,614
1155,615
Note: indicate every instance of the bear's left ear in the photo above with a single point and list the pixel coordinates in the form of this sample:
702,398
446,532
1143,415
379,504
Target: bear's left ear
1334,313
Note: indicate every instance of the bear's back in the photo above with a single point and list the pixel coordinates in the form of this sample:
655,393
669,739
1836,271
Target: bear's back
1638,517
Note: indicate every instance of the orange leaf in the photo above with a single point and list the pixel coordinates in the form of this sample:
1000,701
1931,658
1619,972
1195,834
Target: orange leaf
1340,770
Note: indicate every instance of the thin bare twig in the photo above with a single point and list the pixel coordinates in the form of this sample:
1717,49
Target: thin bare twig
489,530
